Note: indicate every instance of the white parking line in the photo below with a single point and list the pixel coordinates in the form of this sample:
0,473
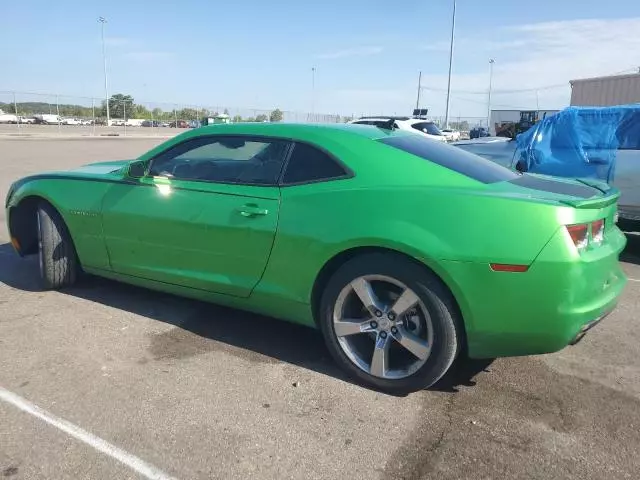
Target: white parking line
131,461
633,279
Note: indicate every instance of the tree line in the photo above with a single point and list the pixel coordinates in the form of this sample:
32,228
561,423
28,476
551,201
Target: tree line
123,106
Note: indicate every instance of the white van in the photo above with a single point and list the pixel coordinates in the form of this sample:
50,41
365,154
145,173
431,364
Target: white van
47,119
8,118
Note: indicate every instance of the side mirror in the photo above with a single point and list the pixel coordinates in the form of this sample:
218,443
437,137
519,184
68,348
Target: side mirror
137,170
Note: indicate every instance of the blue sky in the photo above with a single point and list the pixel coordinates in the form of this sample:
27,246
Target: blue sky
367,54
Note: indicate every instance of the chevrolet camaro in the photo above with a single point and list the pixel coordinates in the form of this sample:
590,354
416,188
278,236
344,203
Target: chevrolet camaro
404,252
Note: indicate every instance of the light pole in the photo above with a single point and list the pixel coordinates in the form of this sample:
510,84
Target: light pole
491,62
453,30
419,88
102,21
313,92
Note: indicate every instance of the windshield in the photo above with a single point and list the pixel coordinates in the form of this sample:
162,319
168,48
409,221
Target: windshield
427,127
451,157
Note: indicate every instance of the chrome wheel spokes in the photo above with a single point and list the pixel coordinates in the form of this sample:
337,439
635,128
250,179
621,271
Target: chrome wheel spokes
383,326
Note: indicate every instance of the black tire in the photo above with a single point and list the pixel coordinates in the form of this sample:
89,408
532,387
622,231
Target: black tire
434,295
56,253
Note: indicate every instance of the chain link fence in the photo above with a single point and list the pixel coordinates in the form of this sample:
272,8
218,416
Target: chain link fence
129,117
126,116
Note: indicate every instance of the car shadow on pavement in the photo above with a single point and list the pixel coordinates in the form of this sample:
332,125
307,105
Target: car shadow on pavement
255,338
631,253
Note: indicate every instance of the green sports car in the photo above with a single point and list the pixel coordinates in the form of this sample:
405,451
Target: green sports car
403,251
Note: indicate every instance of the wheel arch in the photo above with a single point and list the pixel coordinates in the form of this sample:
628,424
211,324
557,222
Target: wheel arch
23,223
334,263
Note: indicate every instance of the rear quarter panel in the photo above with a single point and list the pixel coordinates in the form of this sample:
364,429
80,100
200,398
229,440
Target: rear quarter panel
434,225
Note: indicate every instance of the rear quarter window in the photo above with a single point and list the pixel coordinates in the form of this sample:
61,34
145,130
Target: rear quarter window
308,164
453,158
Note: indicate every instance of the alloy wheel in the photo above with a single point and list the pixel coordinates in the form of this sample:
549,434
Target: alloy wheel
383,327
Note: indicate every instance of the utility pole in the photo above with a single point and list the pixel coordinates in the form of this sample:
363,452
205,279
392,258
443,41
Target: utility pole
491,62
102,21
419,88
453,30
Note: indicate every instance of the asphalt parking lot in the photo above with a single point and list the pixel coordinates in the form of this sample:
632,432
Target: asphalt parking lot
27,130
181,389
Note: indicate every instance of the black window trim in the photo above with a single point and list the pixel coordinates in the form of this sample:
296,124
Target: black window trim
257,138
349,173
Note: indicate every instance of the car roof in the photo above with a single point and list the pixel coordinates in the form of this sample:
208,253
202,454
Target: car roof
413,121
384,117
409,120
296,131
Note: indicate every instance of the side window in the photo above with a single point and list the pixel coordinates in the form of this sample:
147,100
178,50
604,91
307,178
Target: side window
309,164
244,160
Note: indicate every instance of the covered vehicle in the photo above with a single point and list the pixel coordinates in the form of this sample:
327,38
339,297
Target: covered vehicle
579,142
403,251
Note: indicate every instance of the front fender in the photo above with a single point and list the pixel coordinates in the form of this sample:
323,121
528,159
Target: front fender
77,200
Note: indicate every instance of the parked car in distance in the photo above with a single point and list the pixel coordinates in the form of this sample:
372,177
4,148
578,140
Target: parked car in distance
179,124
422,127
479,132
26,120
253,216
497,149
451,134
71,121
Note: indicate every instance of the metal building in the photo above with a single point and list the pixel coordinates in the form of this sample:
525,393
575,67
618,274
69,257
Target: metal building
606,91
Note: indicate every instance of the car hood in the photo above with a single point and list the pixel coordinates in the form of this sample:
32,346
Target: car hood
101,167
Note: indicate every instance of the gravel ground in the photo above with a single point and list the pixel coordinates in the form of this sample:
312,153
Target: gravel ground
201,391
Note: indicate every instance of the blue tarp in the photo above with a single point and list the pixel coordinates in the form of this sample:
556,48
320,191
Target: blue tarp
579,142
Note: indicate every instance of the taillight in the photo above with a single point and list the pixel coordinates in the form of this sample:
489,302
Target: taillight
597,231
579,234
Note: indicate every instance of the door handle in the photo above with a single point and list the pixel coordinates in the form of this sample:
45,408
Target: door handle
252,210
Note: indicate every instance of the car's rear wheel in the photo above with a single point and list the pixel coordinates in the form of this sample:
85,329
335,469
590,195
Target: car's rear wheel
390,322
57,256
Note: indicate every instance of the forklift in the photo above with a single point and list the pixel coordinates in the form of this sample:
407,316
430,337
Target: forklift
528,118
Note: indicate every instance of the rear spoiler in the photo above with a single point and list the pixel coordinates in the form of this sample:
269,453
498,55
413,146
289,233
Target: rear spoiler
610,195
602,186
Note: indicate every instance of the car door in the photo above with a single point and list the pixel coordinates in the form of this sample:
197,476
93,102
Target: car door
204,216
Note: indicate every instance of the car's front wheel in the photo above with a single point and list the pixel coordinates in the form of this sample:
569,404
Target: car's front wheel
56,253
390,322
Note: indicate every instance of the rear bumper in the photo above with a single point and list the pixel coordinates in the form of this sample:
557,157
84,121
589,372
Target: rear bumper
585,328
545,309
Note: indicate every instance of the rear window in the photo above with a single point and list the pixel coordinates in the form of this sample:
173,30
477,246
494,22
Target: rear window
453,158
427,127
